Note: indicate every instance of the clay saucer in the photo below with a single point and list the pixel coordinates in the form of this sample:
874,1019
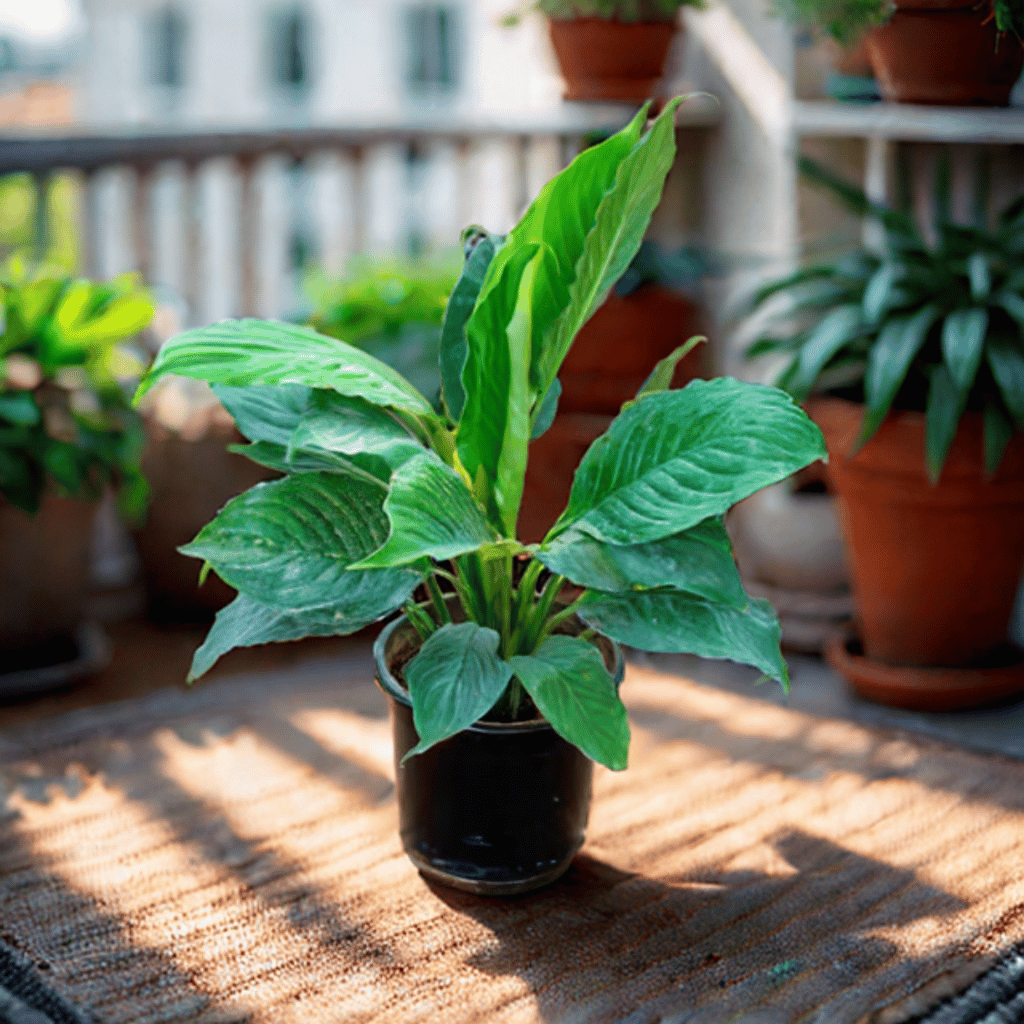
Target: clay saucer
930,689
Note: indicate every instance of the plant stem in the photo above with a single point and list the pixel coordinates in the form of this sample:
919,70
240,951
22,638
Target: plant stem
443,615
421,621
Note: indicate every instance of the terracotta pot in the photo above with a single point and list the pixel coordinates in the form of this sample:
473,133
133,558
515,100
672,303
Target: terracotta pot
45,570
611,60
619,345
945,52
935,569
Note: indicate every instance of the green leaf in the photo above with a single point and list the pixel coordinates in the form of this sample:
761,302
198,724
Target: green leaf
888,361
698,560
456,678
457,312
19,407
352,426
1005,356
276,456
432,515
946,403
289,544
121,318
998,432
963,341
882,293
680,457
980,275
619,224
839,328
494,431
670,621
548,410
247,352
568,681
660,378
246,623
269,413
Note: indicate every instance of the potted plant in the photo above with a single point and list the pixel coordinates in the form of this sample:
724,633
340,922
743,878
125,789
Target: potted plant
612,50
501,675
920,348
954,52
67,431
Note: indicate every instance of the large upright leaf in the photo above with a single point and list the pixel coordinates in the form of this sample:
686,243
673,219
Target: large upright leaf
494,431
245,352
246,623
698,560
568,681
290,543
457,312
890,357
619,224
456,678
316,460
669,621
963,341
679,457
432,514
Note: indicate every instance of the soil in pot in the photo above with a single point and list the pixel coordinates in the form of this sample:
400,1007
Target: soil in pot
945,52
935,569
498,809
609,60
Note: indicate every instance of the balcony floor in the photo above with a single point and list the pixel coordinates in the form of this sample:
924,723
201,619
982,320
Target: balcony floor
232,854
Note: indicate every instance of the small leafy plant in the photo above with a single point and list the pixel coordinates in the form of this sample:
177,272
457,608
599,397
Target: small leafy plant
936,326
386,497
65,420
846,20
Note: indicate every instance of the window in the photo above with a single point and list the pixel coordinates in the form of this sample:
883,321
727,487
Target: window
433,48
290,35
168,32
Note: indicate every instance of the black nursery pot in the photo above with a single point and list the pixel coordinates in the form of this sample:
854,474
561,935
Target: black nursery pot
497,809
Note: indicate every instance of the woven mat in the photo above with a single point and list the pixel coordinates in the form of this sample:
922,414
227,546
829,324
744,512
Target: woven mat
231,855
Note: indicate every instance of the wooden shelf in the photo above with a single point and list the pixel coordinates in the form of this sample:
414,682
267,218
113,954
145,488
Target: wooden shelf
910,122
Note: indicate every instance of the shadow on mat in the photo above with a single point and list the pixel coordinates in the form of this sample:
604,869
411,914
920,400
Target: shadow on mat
608,945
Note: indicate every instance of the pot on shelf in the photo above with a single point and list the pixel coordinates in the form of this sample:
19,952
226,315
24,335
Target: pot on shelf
611,60
498,809
935,568
945,52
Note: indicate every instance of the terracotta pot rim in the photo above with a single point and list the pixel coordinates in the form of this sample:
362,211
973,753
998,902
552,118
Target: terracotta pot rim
646,23
935,6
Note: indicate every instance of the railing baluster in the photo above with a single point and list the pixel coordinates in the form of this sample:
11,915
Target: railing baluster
193,242
464,154
248,237
41,229
521,174
89,225
142,220
360,200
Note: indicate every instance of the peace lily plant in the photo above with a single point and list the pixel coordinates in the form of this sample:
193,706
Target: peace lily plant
386,499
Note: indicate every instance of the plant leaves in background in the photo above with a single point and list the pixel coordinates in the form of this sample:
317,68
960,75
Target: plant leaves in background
839,328
19,407
267,413
568,681
946,403
888,361
1006,359
660,378
432,514
963,341
548,410
245,352
674,622
680,457
456,678
289,544
998,432
698,561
